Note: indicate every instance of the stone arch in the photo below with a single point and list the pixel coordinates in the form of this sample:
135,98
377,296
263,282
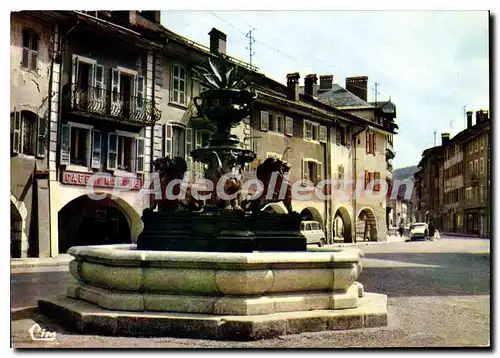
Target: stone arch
343,216
365,217
18,237
84,221
277,208
311,213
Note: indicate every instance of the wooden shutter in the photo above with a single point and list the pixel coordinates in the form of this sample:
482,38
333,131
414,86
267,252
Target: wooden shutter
289,126
348,137
98,80
112,151
96,149
41,135
16,138
368,135
65,143
374,137
305,169
376,177
115,85
189,142
139,91
264,121
25,62
322,134
319,172
34,52
74,70
366,179
338,135
198,139
140,144
168,140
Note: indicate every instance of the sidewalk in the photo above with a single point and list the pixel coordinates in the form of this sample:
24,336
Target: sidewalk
390,239
30,262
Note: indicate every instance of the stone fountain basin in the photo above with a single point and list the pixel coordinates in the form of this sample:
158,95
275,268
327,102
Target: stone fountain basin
119,277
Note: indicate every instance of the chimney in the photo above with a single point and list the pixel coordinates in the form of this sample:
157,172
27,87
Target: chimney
469,119
310,85
358,86
481,116
325,82
292,82
445,138
217,41
152,15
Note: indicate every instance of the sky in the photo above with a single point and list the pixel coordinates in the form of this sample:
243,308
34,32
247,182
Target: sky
429,63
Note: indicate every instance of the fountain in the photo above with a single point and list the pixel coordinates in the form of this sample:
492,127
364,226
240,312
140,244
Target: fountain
220,269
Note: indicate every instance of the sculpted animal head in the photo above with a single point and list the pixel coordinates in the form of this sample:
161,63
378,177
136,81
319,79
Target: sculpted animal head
170,168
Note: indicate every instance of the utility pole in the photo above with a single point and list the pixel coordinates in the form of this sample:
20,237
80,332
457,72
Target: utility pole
465,115
434,137
251,41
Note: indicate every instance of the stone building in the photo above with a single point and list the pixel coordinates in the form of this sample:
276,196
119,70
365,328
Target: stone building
372,152
453,182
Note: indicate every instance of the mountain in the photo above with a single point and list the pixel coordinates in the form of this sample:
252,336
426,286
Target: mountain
404,173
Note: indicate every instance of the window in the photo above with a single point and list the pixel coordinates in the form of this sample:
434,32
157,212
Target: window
481,143
178,93
481,165
308,130
340,170
126,151
264,121
471,147
28,133
476,144
79,149
202,138
322,134
476,166
370,143
311,169
276,123
471,168
289,126
30,50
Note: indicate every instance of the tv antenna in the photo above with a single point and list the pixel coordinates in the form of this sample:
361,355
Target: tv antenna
434,137
465,115
251,41
376,93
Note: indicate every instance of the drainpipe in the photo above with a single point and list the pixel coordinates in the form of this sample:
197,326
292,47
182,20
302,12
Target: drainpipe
327,174
355,217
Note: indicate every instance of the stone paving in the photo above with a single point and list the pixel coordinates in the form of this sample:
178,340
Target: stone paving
439,296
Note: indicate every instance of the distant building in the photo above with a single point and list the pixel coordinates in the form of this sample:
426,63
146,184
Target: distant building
454,180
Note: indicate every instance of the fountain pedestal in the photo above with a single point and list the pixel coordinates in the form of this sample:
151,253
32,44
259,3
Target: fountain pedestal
124,291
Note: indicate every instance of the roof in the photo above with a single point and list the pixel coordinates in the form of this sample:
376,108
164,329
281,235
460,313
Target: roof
339,97
386,106
427,152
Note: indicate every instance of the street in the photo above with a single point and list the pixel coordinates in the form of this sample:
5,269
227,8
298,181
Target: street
438,294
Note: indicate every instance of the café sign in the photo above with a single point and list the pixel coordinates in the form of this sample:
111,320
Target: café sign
101,180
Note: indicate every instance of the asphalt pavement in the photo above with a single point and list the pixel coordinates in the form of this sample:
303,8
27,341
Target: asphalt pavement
438,296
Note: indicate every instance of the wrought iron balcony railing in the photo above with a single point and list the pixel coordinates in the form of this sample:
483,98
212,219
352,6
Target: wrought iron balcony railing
112,105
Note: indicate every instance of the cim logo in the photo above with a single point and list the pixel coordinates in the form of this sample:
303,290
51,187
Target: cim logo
37,333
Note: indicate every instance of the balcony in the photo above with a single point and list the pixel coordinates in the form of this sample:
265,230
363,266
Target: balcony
390,154
99,102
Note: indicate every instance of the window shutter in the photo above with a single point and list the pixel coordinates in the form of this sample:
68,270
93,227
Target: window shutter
322,134
264,121
34,52
305,170
139,91
42,133
189,142
65,143
319,172
74,69
26,58
115,85
198,139
140,144
98,80
374,137
168,141
112,151
96,149
366,178
289,126
377,177
348,137
368,135
16,140
338,135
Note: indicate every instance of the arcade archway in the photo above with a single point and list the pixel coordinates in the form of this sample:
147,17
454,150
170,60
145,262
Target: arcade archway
366,226
342,224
